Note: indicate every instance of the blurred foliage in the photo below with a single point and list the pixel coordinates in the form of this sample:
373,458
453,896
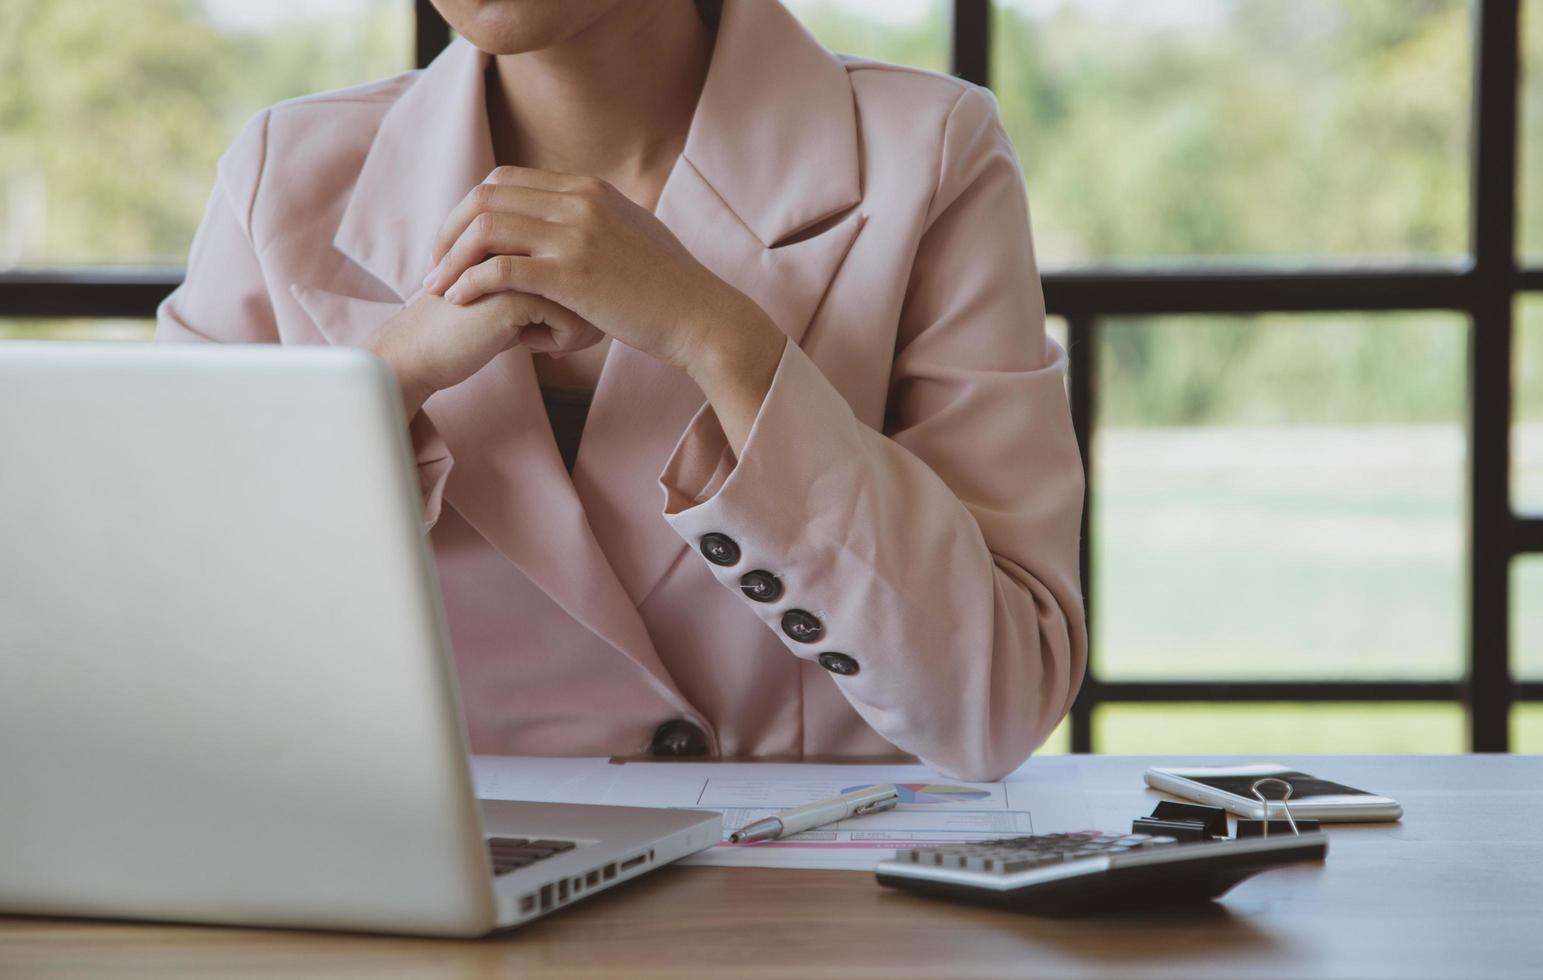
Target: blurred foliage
922,41
1281,369
1315,129
1264,729
134,330
1527,728
1528,352
113,114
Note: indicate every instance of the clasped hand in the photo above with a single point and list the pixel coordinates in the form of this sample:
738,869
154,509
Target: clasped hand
556,262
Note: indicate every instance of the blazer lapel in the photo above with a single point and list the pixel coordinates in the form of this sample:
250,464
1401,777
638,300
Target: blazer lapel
432,146
642,406
509,483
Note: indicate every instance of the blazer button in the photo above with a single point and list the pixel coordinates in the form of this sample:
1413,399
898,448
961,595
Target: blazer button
761,585
802,626
678,737
719,549
838,663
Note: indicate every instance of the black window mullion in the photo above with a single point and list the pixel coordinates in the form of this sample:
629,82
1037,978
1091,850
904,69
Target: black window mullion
972,40
1528,535
1082,356
430,33
1493,181
85,292
1244,290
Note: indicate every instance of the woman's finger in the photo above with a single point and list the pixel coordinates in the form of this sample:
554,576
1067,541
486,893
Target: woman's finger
545,326
496,198
547,180
500,273
491,233
545,338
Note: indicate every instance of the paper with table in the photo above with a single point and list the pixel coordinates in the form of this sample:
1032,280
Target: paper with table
1043,796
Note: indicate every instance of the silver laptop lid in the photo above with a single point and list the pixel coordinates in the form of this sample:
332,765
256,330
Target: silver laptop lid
224,686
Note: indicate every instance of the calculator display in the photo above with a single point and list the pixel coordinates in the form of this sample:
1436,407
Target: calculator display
1303,786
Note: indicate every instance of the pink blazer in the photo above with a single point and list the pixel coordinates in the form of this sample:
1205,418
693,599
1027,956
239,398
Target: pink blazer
909,492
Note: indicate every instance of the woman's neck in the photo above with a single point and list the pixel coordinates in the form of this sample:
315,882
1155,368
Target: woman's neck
614,100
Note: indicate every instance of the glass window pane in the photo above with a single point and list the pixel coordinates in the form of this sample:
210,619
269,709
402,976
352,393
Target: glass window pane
907,32
1527,728
133,330
1527,407
1059,742
1279,497
1055,326
1527,617
1299,729
114,113
1530,174
1187,129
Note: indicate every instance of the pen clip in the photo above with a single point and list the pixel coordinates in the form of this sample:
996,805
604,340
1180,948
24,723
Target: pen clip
877,806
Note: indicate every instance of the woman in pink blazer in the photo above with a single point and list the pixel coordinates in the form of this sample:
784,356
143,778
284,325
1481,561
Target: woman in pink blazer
826,498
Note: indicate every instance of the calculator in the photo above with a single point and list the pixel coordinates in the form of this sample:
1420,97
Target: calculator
1092,871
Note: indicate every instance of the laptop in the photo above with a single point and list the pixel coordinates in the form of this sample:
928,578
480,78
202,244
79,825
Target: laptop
225,686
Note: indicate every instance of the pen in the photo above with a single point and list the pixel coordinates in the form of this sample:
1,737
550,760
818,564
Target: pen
869,799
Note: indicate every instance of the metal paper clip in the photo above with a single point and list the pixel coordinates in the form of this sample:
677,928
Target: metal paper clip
1264,827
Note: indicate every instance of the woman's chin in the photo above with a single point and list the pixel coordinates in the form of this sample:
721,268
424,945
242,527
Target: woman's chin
518,26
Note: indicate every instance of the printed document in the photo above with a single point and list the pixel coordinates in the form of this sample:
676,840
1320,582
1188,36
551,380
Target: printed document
1043,796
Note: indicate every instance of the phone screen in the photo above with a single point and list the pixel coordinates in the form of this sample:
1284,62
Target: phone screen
1303,786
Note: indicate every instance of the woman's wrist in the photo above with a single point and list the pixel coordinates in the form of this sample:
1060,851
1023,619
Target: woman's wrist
734,364
413,392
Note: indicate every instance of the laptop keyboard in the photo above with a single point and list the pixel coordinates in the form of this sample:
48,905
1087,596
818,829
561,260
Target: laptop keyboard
513,853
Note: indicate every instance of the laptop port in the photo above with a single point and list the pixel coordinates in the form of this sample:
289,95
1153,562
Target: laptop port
592,879
609,871
633,862
527,904
562,890
546,898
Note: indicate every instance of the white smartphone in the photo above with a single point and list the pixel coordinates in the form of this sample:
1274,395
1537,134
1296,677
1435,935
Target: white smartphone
1311,797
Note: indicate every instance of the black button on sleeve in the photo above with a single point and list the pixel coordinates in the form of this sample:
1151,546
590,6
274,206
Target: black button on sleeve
678,737
719,549
802,625
761,585
838,663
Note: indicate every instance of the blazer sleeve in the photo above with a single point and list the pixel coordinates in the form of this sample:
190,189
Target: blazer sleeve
940,555
225,297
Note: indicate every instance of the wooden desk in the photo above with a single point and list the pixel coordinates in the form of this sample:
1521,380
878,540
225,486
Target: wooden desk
1456,890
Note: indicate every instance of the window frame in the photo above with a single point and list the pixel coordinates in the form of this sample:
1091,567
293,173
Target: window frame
1484,286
